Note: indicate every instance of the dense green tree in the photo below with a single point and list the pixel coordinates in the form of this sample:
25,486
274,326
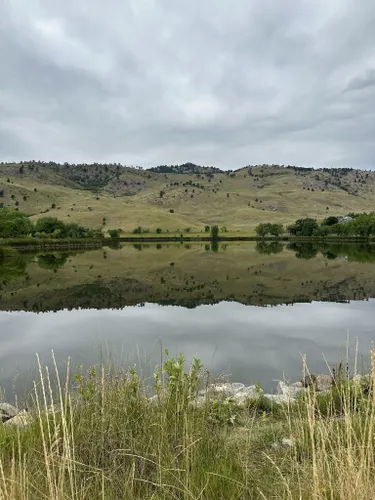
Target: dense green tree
330,221
321,231
261,230
215,232
306,227
114,233
363,225
48,225
14,223
207,229
276,229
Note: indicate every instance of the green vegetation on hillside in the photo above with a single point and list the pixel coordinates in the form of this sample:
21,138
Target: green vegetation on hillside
114,196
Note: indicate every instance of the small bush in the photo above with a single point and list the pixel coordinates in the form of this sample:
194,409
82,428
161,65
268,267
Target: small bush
114,233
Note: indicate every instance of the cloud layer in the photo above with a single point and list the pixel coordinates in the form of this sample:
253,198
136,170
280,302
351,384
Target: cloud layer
151,82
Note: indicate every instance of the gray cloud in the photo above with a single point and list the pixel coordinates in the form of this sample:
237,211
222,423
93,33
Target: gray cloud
149,82
362,82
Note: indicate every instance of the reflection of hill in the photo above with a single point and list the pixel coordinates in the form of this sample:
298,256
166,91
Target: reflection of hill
188,277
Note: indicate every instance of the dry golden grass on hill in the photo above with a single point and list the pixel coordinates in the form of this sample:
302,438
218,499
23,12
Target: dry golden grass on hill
129,197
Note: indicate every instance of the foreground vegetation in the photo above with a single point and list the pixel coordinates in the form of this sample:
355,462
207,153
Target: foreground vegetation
107,439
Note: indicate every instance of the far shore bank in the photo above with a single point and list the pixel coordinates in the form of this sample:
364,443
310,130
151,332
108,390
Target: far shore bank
50,243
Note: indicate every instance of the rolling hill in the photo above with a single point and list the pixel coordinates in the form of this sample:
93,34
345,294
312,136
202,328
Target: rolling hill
177,197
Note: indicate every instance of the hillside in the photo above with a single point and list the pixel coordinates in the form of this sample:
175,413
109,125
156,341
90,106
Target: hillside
186,196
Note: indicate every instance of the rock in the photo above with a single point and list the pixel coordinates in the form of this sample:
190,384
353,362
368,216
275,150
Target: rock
288,442
358,379
199,401
279,398
22,419
236,391
290,391
298,384
250,392
308,381
323,382
320,382
225,389
7,411
154,399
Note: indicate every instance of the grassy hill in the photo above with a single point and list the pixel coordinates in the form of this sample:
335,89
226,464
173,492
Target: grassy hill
186,196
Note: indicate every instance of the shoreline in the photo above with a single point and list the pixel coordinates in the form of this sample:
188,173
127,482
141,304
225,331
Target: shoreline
36,244
108,437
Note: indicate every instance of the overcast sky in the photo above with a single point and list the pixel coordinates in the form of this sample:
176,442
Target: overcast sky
148,82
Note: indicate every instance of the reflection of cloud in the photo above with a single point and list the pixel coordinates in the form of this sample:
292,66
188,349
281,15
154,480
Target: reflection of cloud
253,343
166,82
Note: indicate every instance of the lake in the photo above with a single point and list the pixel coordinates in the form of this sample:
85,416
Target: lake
247,310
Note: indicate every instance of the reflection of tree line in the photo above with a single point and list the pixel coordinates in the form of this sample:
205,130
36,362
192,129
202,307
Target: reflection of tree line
359,252
13,263
213,246
116,293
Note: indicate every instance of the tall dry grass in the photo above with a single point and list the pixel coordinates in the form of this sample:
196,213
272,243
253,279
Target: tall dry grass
105,439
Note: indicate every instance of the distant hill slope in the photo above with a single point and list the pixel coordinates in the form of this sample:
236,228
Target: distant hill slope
185,196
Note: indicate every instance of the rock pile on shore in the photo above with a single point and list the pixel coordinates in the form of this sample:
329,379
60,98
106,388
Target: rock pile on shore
10,415
285,393
237,392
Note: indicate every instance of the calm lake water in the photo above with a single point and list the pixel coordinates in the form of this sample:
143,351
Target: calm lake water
246,310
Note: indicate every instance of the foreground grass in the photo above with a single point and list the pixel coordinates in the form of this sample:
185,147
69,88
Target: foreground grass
109,440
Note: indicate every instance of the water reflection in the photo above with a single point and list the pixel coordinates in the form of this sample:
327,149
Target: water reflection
265,273
213,285
250,343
